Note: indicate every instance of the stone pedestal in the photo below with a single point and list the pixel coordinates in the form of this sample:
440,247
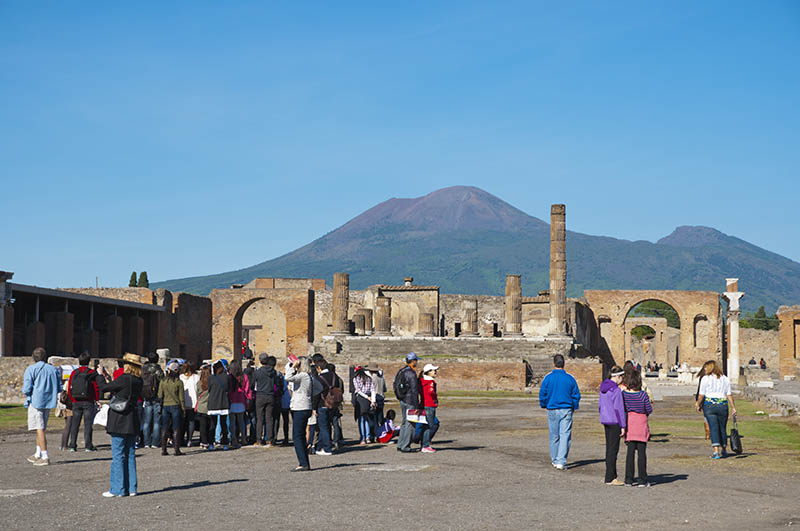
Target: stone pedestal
383,316
59,333
113,343
426,325
359,320
513,307
135,335
469,323
341,299
558,270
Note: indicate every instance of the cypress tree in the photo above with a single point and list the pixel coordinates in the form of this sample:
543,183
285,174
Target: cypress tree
143,282
132,281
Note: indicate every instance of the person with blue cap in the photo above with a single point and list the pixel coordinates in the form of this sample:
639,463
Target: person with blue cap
406,389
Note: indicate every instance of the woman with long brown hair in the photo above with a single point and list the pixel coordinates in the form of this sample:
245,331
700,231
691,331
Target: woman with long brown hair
713,398
201,407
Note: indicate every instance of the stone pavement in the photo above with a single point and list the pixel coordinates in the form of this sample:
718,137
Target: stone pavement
492,471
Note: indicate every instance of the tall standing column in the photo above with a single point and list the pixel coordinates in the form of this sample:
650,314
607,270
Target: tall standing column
733,295
558,270
341,298
469,324
358,321
425,328
383,316
513,327
368,326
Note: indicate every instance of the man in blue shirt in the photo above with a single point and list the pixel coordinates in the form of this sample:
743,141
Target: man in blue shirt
41,385
559,394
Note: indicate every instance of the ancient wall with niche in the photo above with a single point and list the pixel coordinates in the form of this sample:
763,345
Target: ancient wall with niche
490,313
408,302
266,322
611,307
647,349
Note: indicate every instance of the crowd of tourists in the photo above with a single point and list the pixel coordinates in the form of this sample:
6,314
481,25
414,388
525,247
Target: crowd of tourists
228,405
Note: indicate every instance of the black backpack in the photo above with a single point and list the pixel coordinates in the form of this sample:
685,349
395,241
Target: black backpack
400,385
81,380
150,382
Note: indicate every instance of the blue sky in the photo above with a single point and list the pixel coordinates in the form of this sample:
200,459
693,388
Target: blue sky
192,138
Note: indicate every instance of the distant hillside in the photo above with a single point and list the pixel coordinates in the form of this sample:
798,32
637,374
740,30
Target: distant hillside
466,240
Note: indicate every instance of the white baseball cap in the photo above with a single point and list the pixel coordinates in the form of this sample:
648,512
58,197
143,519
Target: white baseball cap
429,367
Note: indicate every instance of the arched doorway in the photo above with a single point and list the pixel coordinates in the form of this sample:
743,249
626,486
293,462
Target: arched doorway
264,327
652,333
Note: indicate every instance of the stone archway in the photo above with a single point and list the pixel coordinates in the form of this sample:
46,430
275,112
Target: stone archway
613,306
266,322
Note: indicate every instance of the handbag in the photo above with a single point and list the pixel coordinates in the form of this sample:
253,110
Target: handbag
736,439
119,404
416,416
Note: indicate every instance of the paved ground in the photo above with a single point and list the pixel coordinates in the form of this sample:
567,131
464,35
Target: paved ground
492,471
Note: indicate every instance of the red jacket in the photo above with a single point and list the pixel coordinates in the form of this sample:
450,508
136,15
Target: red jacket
94,391
429,397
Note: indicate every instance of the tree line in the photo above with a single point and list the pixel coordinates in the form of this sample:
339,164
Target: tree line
141,282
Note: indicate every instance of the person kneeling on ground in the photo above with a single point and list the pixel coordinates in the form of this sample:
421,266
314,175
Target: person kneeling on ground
388,430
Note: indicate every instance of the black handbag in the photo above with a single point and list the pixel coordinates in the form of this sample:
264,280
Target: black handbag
119,404
736,439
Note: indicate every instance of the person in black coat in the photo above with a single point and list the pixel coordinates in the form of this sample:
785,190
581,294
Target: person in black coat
123,427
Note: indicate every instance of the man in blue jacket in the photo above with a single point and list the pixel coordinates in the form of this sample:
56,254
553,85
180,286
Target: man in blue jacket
559,394
41,385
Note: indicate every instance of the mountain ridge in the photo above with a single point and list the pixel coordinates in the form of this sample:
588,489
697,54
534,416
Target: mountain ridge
466,239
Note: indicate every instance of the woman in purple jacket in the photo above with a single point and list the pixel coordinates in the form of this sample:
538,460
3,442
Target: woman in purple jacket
613,418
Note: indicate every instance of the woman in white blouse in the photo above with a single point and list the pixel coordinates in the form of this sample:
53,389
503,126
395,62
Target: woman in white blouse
713,399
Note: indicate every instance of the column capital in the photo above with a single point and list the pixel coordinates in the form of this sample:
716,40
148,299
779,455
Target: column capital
734,314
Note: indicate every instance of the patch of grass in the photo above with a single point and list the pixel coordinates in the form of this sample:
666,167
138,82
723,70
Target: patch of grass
487,394
14,418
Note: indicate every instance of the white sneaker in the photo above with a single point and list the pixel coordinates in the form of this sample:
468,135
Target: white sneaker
560,467
107,494
323,452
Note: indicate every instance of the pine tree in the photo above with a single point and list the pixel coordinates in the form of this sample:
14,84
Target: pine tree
760,319
132,281
143,282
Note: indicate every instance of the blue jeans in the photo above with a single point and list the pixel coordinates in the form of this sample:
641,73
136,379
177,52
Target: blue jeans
324,426
560,424
174,413
365,426
406,429
717,417
299,423
151,422
431,428
123,465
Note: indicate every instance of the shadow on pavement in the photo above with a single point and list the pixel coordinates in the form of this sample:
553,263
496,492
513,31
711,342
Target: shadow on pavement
460,448
585,462
77,461
195,485
662,479
345,465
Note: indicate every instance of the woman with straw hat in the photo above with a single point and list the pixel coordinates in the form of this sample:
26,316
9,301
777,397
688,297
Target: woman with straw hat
123,426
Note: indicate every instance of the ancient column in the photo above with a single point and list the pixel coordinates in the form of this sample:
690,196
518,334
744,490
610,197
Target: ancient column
513,326
558,270
359,320
425,328
469,323
6,334
341,298
368,326
732,295
383,316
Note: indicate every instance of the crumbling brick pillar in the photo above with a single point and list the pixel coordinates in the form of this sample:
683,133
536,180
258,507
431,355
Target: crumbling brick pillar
113,346
513,309
426,325
368,324
558,270
789,341
341,299
358,321
135,335
59,333
383,316
469,323
34,336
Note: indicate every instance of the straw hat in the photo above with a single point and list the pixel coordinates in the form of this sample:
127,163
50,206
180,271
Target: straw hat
133,359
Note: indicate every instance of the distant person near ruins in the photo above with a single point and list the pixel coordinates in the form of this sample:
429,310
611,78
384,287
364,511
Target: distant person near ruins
614,421
41,384
406,389
559,394
763,364
123,426
84,394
